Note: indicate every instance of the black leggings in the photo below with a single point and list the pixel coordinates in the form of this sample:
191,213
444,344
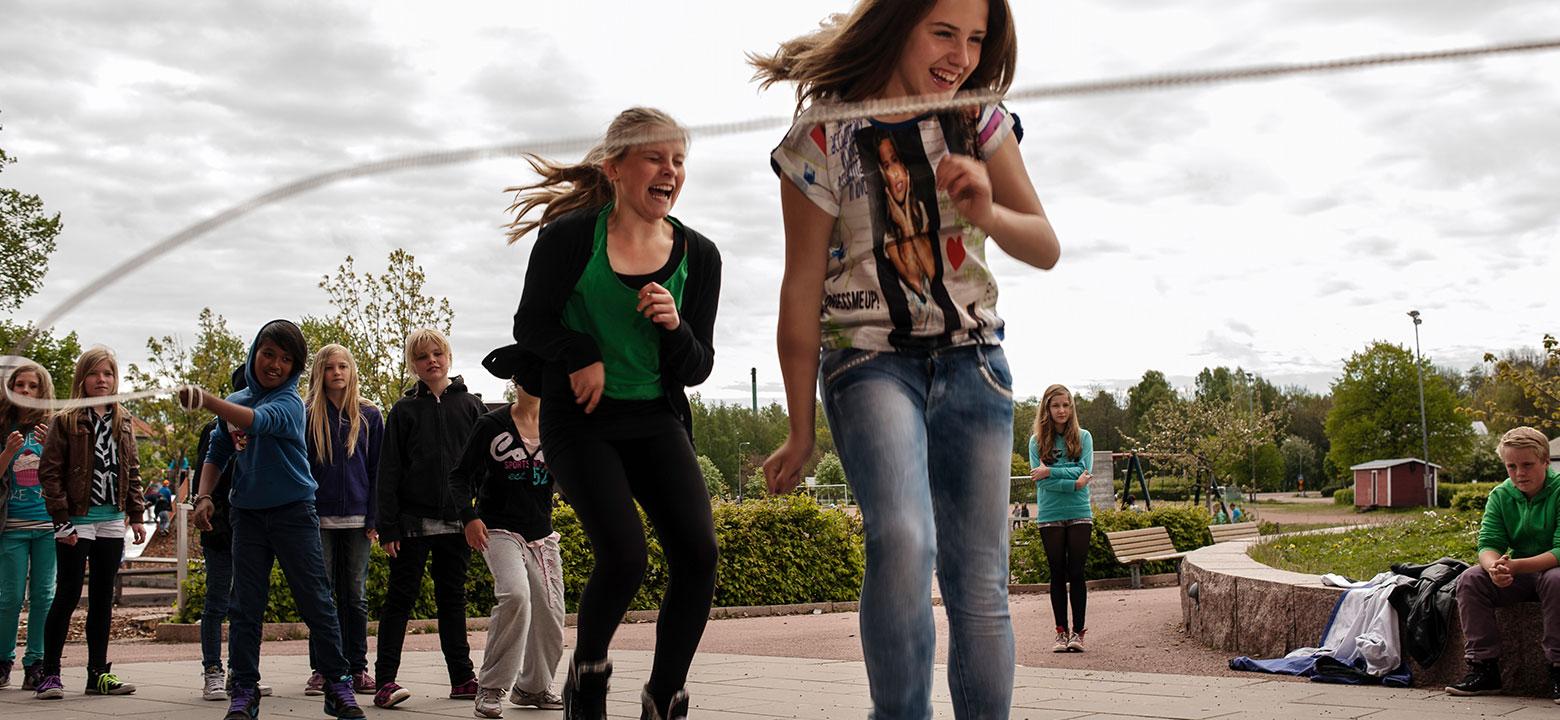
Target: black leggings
71,563
603,465
1066,551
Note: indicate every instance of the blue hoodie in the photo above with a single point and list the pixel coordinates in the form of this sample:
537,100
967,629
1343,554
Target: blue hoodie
273,470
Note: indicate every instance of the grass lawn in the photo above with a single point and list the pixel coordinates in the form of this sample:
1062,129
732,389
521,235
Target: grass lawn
1362,553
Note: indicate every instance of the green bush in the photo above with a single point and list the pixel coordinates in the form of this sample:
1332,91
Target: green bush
1188,528
1343,496
1470,500
1446,493
772,551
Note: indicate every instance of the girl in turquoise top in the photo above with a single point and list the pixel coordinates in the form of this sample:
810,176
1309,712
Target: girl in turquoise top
26,532
1062,455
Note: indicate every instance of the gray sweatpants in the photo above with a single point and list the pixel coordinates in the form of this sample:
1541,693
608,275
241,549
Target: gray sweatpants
525,635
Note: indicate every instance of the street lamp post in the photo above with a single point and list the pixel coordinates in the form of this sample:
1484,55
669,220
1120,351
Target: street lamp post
1251,410
1424,426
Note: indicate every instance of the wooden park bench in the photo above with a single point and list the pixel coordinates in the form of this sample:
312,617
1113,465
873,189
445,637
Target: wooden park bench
1135,547
1234,531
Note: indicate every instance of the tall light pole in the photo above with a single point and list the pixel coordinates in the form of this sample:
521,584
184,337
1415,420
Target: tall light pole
1424,426
1251,409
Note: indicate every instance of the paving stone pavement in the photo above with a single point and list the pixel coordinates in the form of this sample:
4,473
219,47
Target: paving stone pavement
738,687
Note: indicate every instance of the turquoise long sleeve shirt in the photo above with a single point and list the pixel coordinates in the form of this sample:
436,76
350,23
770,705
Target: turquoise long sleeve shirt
1056,498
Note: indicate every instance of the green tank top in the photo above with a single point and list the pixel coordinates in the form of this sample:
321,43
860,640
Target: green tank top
604,308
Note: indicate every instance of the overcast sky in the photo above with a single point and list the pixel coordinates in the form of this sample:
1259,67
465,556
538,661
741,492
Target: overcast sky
1279,226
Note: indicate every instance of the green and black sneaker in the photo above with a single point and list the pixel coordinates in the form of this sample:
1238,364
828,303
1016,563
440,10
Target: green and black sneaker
102,682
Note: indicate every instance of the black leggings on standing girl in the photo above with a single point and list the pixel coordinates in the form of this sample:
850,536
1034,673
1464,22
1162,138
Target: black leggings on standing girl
1066,551
103,556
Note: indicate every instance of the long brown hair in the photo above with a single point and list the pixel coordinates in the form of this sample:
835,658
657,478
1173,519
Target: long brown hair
318,404
12,414
850,58
78,386
565,187
1046,430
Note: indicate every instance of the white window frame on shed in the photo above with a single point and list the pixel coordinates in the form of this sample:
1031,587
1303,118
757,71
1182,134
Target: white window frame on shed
1373,491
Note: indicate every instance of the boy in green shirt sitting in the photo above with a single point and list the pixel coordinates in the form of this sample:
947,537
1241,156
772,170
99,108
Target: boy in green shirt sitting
1519,561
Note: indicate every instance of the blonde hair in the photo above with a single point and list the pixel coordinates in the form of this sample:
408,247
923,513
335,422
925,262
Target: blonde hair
420,338
1526,438
584,184
11,414
90,359
851,57
1046,431
318,404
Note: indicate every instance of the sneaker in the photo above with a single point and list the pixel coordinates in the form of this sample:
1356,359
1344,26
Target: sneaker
585,692
315,686
1062,637
5,672
31,674
1554,683
677,709
363,683
340,700
243,703
49,688
490,703
215,684
1483,678
265,690
465,691
390,695
544,700
103,682
1075,643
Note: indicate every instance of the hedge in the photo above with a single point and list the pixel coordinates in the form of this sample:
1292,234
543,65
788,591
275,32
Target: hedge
1470,500
773,551
1188,528
1343,496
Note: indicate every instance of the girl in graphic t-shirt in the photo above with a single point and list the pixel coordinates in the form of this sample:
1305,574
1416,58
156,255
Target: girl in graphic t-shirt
617,317
26,534
914,382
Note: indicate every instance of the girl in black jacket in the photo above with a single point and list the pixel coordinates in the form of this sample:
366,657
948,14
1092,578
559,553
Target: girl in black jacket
617,317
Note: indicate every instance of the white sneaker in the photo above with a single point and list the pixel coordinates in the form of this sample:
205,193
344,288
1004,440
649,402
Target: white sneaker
544,700
1062,636
215,684
490,702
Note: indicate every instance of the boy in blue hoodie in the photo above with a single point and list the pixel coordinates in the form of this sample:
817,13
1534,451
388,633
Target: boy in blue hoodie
272,515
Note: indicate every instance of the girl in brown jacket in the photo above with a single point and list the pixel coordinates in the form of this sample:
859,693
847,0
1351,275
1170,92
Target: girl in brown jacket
91,486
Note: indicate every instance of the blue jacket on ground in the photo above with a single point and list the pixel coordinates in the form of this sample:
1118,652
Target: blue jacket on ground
273,469
348,484
1056,498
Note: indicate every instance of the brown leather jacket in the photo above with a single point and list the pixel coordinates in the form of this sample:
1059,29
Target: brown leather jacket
65,470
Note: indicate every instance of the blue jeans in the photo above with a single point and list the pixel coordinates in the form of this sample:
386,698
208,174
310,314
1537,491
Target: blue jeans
219,590
346,565
926,441
290,536
26,569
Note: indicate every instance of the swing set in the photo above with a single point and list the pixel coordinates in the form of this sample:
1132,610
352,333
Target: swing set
1135,468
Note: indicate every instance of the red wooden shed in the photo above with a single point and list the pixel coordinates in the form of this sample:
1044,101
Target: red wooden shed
1393,483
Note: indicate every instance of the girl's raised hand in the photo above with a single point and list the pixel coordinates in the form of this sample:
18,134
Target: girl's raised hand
13,442
192,397
41,433
657,304
968,184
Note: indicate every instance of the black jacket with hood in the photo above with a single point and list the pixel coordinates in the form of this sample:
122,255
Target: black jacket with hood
424,437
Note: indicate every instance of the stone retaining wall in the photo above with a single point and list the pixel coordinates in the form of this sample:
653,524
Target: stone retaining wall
1246,608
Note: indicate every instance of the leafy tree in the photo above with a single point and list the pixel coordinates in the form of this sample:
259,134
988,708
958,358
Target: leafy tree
1375,413
56,354
735,438
1152,390
756,487
829,471
1024,424
1300,460
1520,388
209,363
1306,413
713,480
1483,464
1206,436
1104,418
373,315
26,240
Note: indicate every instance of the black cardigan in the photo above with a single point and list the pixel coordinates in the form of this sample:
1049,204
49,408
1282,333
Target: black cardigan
562,250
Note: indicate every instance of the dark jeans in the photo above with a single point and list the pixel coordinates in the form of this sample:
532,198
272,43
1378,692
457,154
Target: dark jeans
346,566
603,467
450,557
290,536
72,560
219,590
1477,598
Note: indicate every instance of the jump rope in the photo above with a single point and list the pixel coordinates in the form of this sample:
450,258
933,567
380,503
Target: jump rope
818,113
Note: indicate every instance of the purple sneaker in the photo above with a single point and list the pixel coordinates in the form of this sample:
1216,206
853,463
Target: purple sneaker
49,688
363,683
390,694
340,701
465,691
244,703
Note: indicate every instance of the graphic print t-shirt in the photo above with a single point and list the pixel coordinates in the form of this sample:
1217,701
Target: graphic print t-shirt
26,501
904,271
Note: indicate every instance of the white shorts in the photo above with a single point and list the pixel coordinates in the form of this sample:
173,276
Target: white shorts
108,529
